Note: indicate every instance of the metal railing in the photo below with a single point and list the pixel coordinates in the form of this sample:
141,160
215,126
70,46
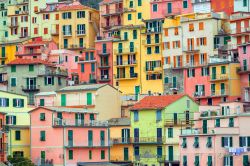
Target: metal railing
121,140
50,72
151,41
126,76
125,50
80,32
168,158
240,30
197,131
215,77
87,143
121,158
77,46
148,140
29,52
30,87
104,78
219,92
125,63
103,52
84,123
112,11
67,33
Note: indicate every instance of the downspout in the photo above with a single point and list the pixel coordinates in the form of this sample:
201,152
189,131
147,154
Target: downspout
140,64
64,150
30,139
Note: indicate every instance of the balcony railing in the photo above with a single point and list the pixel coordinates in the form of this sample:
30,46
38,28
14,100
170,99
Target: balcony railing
67,33
153,41
148,140
191,49
197,131
112,12
103,52
76,46
200,1
13,24
223,92
126,76
51,73
103,65
125,50
110,25
69,122
240,30
216,77
54,32
104,78
167,158
80,32
116,158
199,94
23,35
123,140
125,63
31,88
29,52
86,144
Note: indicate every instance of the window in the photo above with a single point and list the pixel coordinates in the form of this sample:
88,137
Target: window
42,135
231,122
196,142
102,154
197,161
184,143
191,72
209,161
43,157
155,7
136,116
223,69
92,67
49,80
149,51
90,154
244,49
205,71
159,151
13,68
42,116
18,103
31,67
188,103
139,2
191,27
67,30
217,122
201,26
170,132
17,135
139,16
131,4
92,117
184,163
46,16
66,15
81,14
158,115
134,34
209,142
17,154
82,67
70,154
228,161
185,4
157,49
245,65
226,142
59,81
166,80
245,160
10,120
129,16
80,29
244,141
4,102
244,3
76,58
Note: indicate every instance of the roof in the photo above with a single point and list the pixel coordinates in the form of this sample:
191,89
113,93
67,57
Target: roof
29,61
65,109
13,93
45,93
38,43
119,122
85,87
156,102
74,6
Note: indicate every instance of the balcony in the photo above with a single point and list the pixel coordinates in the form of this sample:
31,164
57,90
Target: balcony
34,52
172,13
200,1
13,24
84,60
151,42
154,70
78,123
211,131
31,88
23,35
148,140
54,32
219,93
241,31
104,78
174,159
76,46
126,76
191,49
125,51
215,77
200,94
243,70
104,52
86,144
116,158
110,25
22,2
80,32
173,87
152,30
67,33
113,12
52,73
103,65
125,63
117,141
219,60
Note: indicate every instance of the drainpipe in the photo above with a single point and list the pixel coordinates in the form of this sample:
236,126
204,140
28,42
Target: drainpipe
140,65
64,150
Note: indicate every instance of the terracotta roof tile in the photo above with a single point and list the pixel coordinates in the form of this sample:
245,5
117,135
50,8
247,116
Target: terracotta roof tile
29,61
73,6
156,102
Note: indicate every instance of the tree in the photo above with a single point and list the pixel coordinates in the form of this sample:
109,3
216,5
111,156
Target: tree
20,161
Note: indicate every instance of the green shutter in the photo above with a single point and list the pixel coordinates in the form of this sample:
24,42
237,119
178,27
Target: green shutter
102,154
18,135
45,80
125,153
41,102
91,117
90,155
89,98
7,102
102,138
7,119
222,141
139,2
90,138
3,52
209,160
52,80
134,34
31,67
13,68
13,82
245,160
63,99
22,102
248,141
14,120
42,136
231,141
70,154
129,17
14,102
82,67
43,155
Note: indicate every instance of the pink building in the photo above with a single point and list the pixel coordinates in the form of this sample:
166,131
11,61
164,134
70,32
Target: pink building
67,60
47,99
37,48
165,8
87,67
244,58
111,12
219,135
104,58
68,136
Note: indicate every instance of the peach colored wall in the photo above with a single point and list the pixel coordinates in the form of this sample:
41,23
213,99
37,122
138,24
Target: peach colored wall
48,100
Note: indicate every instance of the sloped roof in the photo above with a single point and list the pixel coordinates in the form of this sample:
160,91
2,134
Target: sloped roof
29,62
45,93
119,122
65,109
156,102
82,87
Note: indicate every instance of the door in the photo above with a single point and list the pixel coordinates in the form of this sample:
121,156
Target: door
213,73
89,98
169,7
70,137
65,43
136,135
204,126
137,92
63,99
222,88
174,82
125,135
159,134
132,71
102,137
170,153
175,118
125,153
59,116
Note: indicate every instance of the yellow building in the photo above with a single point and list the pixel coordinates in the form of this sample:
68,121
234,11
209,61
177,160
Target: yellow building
121,150
224,79
78,26
17,123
